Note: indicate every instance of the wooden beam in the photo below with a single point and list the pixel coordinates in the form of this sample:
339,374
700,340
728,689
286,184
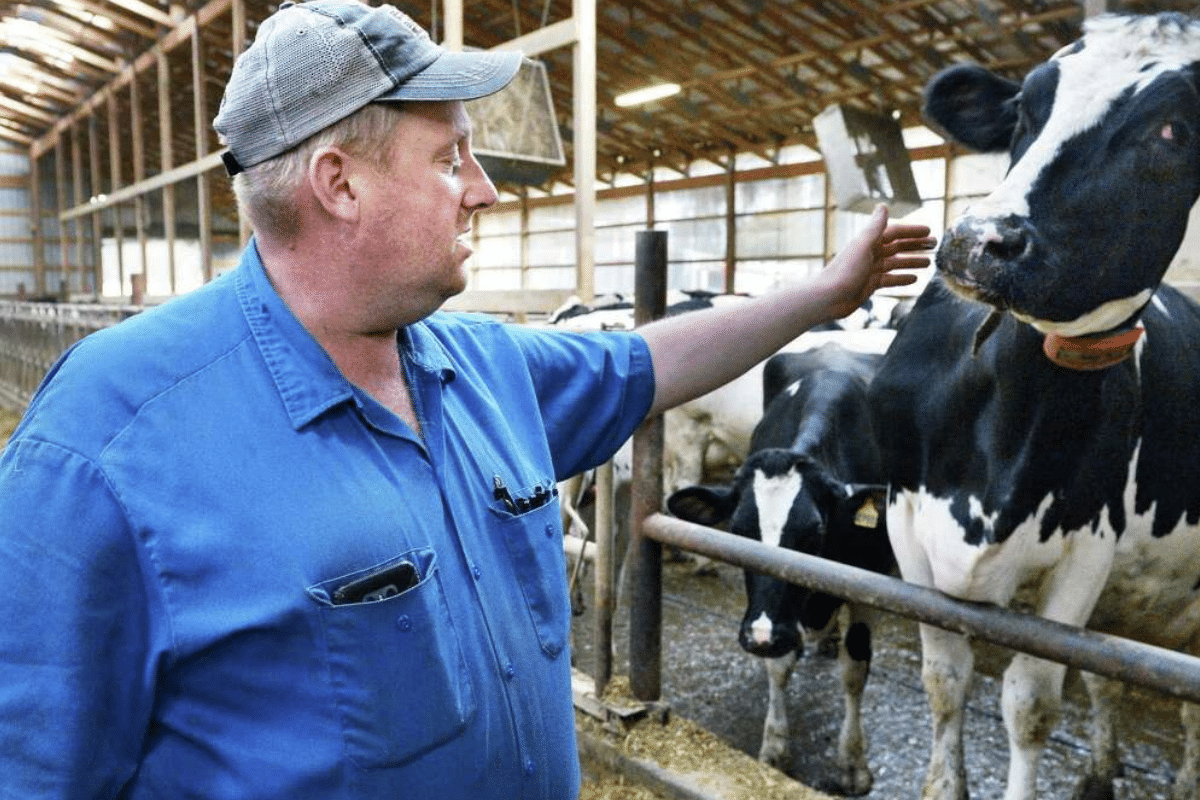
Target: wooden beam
146,11
114,185
35,225
124,72
60,180
139,172
584,14
77,196
551,37
97,222
166,158
26,110
200,119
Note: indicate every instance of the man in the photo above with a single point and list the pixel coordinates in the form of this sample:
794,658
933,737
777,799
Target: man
295,535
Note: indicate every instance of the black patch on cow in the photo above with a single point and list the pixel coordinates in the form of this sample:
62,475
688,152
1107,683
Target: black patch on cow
1006,428
858,642
972,106
1123,183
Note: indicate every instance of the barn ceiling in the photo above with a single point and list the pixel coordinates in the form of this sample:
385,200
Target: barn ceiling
753,73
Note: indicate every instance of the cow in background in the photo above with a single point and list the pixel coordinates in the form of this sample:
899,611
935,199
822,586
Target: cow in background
1037,411
811,483
708,437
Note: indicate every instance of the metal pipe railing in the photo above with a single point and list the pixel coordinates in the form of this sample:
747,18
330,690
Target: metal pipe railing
1145,665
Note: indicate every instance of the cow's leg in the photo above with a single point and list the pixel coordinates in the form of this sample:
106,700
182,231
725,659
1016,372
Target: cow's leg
1032,695
1105,766
855,658
775,743
948,661
1187,779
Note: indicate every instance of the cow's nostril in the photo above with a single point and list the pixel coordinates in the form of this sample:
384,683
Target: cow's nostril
1008,245
1010,240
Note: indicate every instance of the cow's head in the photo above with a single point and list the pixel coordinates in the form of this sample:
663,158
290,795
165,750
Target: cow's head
781,498
1104,140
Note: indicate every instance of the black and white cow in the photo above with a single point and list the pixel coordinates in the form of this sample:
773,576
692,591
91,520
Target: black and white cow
811,484
1037,413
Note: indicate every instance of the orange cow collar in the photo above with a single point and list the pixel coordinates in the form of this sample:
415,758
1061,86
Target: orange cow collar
1091,352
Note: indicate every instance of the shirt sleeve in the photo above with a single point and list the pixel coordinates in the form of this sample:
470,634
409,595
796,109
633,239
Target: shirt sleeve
593,389
74,673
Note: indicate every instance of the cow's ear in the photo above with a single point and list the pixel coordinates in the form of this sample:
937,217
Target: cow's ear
972,106
868,504
704,505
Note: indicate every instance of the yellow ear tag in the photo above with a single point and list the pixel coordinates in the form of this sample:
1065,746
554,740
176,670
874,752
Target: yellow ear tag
868,515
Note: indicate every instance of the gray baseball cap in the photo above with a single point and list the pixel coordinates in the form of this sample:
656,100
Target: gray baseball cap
314,63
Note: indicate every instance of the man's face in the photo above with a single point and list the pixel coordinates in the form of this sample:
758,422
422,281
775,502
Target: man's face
418,210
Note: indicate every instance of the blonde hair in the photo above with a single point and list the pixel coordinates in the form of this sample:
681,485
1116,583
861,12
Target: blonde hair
266,192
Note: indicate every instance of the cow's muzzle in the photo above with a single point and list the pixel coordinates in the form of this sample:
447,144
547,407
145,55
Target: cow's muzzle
982,258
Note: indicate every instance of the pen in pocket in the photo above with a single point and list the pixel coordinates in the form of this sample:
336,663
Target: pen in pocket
500,492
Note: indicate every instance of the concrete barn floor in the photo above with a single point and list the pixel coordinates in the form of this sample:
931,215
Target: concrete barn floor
709,680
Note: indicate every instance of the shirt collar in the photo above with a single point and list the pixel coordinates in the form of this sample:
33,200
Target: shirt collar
308,381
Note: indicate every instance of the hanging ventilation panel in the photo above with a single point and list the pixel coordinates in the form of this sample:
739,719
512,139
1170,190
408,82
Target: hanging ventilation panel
516,135
866,161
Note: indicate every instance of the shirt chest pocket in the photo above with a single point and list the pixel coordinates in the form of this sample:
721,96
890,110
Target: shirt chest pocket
397,669
535,546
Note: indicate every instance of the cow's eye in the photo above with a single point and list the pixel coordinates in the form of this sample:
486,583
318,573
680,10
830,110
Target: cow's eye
1176,132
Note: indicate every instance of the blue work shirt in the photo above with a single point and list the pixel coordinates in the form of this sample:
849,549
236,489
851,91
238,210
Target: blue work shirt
186,494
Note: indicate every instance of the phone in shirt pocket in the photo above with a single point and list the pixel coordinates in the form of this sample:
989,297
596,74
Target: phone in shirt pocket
388,630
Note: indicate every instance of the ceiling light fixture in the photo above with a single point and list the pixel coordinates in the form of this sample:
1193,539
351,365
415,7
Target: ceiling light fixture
647,94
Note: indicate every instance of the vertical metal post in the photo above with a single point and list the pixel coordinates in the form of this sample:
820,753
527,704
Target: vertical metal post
645,554
605,577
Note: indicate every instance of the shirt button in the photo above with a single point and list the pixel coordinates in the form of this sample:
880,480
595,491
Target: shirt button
529,768
477,572
404,623
510,670
550,531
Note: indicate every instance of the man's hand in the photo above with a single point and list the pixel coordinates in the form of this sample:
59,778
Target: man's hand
867,263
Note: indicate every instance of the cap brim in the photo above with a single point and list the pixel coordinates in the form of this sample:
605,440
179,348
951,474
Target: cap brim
459,76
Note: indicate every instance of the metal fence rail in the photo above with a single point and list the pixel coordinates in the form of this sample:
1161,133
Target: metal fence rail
1157,668
34,335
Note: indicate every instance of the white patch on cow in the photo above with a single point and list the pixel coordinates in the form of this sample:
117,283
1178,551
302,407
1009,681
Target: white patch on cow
1104,318
931,546
1161,306
794,388
774,496
1148,577
761,628
1116,57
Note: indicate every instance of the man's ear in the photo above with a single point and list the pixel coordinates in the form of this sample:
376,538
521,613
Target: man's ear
329,178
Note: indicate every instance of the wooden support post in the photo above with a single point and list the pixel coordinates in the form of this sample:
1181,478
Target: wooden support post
114,180
60,183
77,195
97,271
139,170
35,224
167,159
584,14
730,223
200,117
